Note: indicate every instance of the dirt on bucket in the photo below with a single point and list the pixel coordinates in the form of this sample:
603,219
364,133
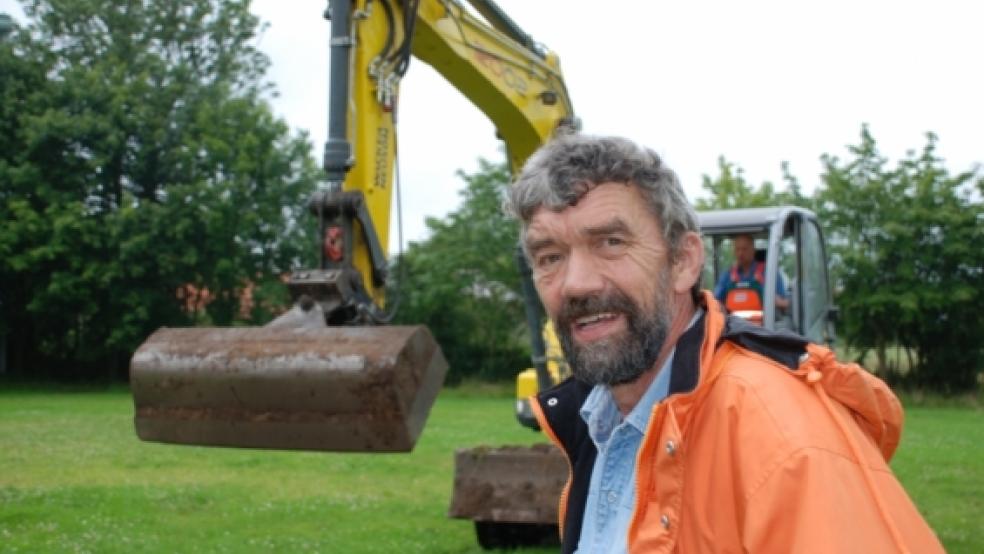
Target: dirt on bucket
354,389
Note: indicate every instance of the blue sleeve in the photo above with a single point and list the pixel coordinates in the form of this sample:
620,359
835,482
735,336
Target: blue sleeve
722,286
780,286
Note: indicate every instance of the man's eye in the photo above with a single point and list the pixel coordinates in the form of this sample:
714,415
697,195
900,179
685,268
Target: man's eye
546,261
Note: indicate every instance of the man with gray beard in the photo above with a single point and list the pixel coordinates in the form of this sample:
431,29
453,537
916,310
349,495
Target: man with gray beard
687,430
620,359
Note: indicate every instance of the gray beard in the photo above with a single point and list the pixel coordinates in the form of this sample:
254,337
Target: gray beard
622,358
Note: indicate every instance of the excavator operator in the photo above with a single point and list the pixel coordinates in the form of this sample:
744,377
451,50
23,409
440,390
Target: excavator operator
741,288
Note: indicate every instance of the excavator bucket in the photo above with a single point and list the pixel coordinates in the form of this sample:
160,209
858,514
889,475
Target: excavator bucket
353,389
508,484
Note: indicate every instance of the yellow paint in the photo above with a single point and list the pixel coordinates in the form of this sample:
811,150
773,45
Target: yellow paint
502,79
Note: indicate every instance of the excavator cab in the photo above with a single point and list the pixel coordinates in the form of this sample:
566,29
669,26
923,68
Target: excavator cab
789,243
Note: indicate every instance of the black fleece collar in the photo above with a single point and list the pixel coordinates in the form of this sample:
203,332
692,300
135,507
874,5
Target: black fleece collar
782,346
686,360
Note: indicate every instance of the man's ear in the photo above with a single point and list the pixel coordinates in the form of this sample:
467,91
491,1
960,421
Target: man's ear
689,262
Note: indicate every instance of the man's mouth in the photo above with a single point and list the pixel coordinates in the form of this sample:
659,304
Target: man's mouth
583,322
590,328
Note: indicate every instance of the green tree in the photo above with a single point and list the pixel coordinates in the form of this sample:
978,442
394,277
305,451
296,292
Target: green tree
909,251
139,157
463,283
731,190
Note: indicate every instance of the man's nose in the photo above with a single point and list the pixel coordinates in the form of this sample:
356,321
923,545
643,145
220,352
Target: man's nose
583,276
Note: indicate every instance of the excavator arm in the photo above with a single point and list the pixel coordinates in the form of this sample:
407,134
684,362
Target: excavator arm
516,83
329,374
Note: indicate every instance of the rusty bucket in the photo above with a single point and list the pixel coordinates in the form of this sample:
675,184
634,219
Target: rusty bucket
515,484
349,389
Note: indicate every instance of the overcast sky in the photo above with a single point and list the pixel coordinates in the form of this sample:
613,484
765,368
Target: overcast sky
758,82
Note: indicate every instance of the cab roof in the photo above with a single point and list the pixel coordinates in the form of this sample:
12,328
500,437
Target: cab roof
746,220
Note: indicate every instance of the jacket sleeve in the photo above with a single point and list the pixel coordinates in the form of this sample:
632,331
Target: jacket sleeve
818,501
837,494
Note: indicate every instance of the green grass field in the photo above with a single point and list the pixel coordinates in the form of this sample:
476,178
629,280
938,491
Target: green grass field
74,478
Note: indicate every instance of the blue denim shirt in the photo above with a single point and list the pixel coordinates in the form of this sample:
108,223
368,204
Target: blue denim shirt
611,493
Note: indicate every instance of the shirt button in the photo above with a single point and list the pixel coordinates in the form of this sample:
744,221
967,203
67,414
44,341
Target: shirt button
664,520
670,448
612,497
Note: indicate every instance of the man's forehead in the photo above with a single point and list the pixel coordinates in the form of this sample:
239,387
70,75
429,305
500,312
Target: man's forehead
542,227
570,219
610,207
610,195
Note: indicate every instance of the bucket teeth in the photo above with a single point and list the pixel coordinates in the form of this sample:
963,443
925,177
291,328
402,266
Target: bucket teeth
352,389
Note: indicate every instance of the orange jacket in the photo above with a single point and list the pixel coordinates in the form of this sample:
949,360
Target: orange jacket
758,456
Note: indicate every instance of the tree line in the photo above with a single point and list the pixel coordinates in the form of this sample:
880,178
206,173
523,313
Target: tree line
144,180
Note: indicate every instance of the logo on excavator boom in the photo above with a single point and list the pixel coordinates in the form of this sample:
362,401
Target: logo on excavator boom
382,149
500,69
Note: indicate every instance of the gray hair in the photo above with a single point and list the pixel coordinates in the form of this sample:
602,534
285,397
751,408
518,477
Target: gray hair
562,171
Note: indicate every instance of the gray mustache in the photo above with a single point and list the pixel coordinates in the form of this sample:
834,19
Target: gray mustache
580,306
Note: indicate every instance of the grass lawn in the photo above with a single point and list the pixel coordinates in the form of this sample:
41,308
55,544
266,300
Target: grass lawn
941,464
74,478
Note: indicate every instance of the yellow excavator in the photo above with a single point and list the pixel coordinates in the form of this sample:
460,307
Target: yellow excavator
331,374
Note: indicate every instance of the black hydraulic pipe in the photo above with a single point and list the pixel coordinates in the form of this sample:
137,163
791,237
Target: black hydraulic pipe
500,20
534,318
338,151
